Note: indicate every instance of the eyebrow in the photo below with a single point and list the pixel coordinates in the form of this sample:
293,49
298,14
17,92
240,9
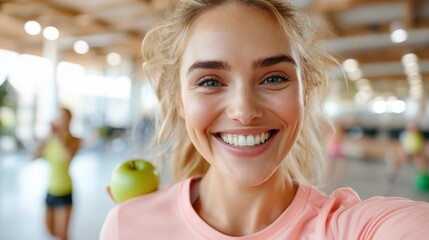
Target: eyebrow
217,65
221,65
270,61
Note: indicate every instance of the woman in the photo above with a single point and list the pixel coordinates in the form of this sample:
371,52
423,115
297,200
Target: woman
59,150
240,86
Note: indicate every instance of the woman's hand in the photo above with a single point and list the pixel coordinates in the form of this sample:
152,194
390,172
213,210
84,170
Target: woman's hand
110,193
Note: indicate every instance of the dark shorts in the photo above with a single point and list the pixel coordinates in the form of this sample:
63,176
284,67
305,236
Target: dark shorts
58,201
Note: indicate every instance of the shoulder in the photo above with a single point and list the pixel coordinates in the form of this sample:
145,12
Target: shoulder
340,199
159,201
148,213
343,215
310,215
387,209
376,218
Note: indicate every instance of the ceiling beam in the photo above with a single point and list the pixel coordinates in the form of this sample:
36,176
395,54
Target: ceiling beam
384,55
335,30
323,6
331,5
395,77
410,18
356,44
383,70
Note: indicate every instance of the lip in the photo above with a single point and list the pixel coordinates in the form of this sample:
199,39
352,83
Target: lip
246,131
247,151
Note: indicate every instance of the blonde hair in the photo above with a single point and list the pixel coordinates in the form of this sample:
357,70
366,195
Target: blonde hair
162,49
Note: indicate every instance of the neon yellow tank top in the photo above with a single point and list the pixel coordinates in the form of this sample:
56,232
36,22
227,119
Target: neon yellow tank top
60,182
412,142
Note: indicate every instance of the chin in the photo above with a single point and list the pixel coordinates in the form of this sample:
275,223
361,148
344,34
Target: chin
251,178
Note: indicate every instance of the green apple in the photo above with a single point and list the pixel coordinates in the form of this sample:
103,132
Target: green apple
133,178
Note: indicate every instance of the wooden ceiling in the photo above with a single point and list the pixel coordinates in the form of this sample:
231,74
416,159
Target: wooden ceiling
357,29
359,18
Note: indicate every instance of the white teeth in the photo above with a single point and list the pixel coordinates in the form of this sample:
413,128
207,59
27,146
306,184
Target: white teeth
235,141
245,140
242,140
257,139
250,140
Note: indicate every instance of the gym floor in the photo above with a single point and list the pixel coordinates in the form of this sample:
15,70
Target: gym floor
23,185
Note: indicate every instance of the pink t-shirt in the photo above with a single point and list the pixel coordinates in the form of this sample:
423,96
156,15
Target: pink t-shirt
168,214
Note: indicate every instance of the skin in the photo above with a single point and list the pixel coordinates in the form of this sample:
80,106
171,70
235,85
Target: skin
238,76
57,221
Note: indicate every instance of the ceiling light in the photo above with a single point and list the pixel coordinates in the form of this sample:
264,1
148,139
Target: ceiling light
397,32
412,69
81,47
416,92
355,75
409,58
398,36
365,88
363,82
379,105
32,27
396,106
362,97
113,59
415,78
350,65
51,33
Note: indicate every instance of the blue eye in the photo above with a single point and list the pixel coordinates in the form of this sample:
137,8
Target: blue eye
275,79
209,82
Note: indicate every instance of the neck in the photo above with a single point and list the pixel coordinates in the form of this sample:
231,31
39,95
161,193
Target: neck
242,210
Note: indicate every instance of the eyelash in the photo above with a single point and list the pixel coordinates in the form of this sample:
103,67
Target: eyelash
203,82
282,77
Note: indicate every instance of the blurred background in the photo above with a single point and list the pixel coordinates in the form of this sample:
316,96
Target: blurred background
85,55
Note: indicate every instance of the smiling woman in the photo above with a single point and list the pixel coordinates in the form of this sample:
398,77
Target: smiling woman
246,84
164,69
240,86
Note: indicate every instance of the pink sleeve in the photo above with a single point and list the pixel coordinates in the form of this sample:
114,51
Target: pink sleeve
383,218
109,230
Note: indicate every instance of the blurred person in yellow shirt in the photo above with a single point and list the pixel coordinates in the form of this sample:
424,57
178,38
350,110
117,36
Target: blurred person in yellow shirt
412,149
59,149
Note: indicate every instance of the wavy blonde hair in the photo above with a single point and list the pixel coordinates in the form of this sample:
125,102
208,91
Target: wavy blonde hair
162,49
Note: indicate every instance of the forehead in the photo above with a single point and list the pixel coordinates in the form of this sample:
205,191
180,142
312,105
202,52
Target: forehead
235,29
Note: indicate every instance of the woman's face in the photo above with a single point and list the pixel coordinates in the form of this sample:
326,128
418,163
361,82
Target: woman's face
241,92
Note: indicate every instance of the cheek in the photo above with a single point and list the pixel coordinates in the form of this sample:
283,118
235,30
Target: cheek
292,110
198,112
289,108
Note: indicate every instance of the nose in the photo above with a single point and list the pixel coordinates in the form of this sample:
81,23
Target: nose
245,106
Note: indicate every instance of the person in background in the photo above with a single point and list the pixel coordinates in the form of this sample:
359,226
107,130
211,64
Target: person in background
59,149
337,161
241,85
411,149
413,144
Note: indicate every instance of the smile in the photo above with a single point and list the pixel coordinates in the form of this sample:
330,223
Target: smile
239,140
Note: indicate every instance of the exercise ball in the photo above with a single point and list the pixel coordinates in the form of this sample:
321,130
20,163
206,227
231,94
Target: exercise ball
421,181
